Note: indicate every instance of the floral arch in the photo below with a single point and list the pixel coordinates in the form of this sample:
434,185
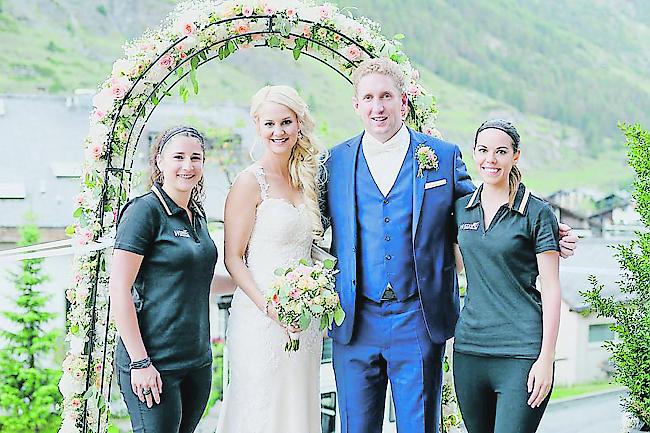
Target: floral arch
195,33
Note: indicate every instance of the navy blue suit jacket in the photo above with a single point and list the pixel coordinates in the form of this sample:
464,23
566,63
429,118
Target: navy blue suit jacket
433,232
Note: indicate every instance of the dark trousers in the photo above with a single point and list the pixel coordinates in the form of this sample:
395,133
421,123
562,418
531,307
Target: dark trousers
492,394
390,342
182,402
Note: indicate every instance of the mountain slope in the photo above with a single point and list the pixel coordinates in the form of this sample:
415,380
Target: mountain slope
548,66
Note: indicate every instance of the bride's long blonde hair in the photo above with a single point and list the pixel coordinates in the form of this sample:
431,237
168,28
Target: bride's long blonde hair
307,156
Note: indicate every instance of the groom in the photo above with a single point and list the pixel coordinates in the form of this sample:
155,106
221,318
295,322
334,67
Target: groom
393,233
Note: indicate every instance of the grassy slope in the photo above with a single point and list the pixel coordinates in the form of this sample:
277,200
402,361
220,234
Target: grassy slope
59,48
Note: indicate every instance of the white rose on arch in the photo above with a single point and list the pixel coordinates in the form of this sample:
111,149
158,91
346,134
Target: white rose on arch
104,100
69,425
123,67
76,344
68,385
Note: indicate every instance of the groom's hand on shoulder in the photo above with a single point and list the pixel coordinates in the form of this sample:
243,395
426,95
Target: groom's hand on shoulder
568,241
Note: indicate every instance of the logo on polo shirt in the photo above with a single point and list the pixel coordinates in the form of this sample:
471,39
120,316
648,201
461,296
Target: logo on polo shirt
469,226
181,233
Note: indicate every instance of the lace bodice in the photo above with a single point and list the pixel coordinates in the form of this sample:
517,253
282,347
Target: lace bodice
281,235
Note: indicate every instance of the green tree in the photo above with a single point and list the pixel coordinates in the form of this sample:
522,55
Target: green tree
29,396
631,351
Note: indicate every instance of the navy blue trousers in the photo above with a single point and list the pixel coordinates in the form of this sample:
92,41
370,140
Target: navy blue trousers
390,343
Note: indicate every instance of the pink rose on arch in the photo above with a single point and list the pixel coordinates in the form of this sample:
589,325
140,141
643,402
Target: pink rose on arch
247,11
75,403
268,10
167,61
290,12
294,293
306,32
354,52
99,114
325,12
88,235
119,87
414,90
242,28
96,150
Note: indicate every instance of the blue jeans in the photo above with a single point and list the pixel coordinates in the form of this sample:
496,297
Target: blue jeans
182,402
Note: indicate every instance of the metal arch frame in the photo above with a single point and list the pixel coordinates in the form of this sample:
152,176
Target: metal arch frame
142,110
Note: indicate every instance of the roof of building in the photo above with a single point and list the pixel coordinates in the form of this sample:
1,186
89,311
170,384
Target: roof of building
594,256
42,143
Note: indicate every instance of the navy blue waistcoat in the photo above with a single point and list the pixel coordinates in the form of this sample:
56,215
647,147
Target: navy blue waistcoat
385,249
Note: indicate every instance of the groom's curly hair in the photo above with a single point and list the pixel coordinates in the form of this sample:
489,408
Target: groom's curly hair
382,66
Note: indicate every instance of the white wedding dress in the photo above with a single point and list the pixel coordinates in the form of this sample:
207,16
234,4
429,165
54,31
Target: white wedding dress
270,390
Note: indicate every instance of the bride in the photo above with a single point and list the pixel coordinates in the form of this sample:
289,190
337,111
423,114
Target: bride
272,217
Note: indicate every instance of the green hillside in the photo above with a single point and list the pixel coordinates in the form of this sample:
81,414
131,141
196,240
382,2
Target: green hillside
581,63
548,66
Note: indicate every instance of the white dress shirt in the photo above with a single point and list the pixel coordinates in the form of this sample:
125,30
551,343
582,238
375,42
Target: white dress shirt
385,159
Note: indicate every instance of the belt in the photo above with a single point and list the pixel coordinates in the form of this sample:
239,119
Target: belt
389,294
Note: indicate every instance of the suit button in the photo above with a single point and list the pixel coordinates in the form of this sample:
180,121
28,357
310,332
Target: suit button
388,257
354,282
386,219
386,201
354,249
387,238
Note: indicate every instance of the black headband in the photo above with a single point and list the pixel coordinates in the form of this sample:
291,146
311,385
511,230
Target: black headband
501,125
172,132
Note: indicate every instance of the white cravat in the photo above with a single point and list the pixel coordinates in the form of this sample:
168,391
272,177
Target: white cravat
385,159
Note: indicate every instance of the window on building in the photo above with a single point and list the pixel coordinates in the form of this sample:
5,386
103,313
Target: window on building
66,169
328,412
13,190
326,357
600,333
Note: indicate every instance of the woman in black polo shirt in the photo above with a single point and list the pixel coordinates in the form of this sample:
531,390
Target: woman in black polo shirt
161,273
505,338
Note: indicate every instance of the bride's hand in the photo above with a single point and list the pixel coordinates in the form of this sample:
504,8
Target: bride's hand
273,314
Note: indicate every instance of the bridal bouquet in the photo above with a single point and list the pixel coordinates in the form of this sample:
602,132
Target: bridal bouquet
305,292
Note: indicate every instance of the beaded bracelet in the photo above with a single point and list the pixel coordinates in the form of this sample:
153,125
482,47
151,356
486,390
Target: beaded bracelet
143,363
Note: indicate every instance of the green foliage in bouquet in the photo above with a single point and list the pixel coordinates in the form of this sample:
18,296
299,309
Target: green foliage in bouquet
631,351
29,396
305,292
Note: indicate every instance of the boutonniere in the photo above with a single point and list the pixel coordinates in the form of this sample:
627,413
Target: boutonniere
427,158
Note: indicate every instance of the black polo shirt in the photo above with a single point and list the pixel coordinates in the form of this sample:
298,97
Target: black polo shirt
502,315
172,288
